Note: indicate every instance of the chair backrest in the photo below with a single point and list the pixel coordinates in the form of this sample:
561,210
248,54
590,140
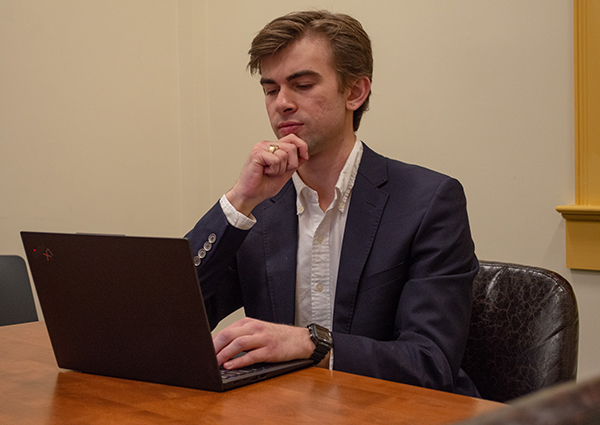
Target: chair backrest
16,297
524,331
566,404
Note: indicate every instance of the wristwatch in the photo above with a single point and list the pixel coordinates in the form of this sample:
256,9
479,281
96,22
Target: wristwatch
323,341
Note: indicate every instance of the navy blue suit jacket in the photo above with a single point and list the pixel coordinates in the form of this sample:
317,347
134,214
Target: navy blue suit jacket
404,290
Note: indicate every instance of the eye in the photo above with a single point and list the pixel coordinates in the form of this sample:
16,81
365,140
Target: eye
304,86
270,91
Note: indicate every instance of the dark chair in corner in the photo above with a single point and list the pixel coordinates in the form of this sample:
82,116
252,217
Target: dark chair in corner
16,298
524,331
566,404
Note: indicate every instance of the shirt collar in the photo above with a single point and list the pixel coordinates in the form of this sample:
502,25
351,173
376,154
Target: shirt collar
344,184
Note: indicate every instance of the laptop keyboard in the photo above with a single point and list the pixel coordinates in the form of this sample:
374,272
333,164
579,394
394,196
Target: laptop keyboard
234,373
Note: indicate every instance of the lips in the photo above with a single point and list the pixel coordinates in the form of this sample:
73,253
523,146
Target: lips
289,127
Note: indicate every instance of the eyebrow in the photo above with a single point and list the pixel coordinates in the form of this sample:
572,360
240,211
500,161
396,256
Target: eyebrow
299,74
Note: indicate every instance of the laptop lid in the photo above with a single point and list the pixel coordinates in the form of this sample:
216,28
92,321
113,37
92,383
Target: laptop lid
128,307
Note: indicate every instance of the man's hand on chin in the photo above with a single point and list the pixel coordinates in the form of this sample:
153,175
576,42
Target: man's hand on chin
268,168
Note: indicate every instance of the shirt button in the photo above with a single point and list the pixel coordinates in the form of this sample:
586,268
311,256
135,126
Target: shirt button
320,239
319,288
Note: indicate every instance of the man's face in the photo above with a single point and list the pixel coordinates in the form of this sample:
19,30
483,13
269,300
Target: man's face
302,94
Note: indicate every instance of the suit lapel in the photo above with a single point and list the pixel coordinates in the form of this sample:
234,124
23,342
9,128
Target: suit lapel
281,242
366,207
281,246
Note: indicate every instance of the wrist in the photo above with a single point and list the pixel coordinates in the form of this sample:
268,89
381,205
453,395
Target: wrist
242,204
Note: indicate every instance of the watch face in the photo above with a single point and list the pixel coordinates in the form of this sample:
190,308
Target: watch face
323,334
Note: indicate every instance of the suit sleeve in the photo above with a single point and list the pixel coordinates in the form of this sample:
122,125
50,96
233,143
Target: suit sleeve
217,271
434,307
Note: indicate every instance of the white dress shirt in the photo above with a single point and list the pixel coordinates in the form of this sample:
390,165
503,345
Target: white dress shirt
320,237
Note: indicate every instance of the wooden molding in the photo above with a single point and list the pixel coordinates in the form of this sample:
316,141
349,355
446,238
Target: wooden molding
583,218
580,212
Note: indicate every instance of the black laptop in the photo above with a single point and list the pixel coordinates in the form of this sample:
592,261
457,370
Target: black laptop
130,307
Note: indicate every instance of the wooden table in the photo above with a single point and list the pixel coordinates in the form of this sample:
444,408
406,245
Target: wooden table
33,390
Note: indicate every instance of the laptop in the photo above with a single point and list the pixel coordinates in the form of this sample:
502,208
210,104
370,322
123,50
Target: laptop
131,307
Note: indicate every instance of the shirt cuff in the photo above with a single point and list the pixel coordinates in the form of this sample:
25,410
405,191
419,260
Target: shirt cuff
331,359
234,217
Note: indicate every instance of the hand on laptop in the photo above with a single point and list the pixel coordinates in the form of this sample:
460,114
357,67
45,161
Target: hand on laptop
263,342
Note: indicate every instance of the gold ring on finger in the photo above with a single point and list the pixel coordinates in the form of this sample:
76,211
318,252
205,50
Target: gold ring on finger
273,148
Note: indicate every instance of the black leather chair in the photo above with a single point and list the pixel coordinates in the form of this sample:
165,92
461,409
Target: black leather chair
16,297
566,404
524,331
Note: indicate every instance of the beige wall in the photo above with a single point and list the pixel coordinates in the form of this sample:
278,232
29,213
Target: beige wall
135,116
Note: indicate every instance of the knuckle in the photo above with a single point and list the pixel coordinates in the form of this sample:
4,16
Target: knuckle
224,335
238,345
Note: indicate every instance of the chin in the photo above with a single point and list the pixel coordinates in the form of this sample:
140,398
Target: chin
313,147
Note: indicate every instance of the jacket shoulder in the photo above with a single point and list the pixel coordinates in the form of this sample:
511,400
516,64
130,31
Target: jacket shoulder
387,173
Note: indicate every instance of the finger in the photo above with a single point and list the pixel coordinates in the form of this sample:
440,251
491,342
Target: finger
245,343
288,153
300,145
226,336
291,144
250,358
275,164
289,162
236,338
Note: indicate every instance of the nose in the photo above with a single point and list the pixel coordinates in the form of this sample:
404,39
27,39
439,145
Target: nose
285,102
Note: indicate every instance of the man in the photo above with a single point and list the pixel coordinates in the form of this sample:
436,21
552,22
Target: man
338,254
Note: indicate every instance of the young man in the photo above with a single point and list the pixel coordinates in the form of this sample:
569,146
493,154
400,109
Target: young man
360,262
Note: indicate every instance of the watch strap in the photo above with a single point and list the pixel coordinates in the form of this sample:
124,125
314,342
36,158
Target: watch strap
322,344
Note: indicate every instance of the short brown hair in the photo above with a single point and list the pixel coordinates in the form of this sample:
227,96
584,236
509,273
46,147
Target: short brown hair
350,45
